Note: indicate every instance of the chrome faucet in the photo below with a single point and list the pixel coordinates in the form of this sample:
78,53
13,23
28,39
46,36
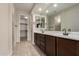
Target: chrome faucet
65,31
42,30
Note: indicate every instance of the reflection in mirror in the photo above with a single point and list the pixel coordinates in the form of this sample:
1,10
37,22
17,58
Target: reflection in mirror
64,15
57,23
43,22
37,19
40,21
67,17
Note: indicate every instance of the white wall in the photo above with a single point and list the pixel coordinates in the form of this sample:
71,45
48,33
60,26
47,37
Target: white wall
11,18
14,28
30,28
5,29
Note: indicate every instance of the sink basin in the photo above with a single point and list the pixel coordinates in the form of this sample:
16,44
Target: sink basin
66,34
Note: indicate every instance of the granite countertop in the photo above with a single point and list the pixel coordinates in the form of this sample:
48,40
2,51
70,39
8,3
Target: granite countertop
72,35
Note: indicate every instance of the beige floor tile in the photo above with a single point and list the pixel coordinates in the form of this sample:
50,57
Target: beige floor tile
25,48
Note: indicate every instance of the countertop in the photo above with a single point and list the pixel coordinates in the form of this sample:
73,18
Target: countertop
72,35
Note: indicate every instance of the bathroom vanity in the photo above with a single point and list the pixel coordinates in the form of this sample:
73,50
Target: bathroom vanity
57,34
56,44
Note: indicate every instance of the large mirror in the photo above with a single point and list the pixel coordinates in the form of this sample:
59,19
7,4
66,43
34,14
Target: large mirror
67,18
59,16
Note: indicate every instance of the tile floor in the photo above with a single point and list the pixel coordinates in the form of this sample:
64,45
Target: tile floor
25,48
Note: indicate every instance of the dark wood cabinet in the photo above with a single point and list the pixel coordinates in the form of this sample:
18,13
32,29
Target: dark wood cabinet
40,41
66,47
50,45
35,38
43,43
56,46
77,49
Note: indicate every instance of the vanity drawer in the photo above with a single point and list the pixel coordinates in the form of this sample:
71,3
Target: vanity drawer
43,49
43,44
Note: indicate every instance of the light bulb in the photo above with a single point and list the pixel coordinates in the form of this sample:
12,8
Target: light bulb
47,11
39,9
55,5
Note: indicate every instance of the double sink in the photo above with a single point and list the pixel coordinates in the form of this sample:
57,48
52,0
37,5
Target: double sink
70,35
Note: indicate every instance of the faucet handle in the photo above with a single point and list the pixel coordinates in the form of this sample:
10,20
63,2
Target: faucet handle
63,29
69,30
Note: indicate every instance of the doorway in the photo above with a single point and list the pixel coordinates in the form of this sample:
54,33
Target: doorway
23,28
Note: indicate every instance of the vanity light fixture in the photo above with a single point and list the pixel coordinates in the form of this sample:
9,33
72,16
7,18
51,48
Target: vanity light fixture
40,9
26,17
55,5
47,11
59,19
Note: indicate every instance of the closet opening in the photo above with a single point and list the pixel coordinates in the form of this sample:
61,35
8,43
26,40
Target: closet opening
23,28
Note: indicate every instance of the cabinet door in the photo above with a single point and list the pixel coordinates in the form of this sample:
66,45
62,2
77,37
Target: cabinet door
66,47
35,38
50,45
59,47
43,43
77,48
38,40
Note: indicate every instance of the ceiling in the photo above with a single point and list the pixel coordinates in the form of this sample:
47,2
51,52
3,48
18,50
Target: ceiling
33,7
23,6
